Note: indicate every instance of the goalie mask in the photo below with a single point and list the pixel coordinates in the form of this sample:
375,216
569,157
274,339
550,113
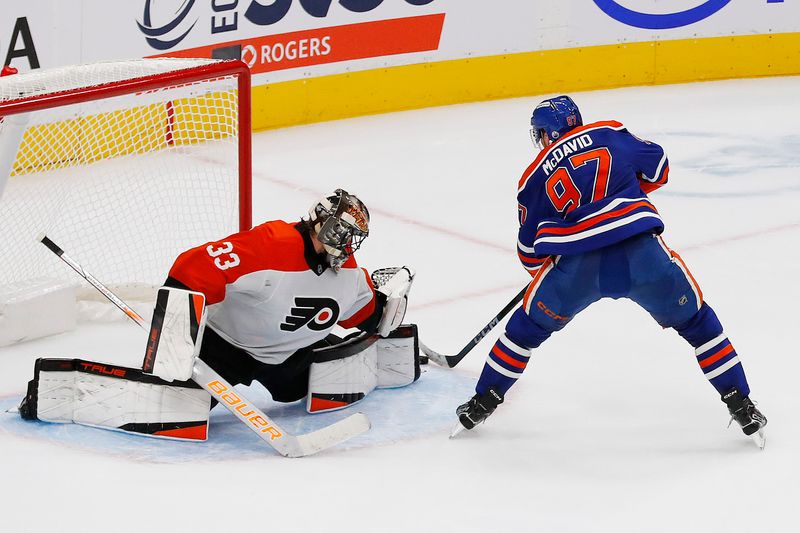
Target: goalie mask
341,222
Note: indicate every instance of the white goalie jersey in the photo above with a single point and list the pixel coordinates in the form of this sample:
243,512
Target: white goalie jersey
266,295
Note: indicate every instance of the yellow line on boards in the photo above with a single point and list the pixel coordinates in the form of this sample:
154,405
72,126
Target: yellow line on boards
513,75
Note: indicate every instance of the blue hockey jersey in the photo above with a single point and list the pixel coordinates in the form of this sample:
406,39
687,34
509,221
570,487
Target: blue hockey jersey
588,190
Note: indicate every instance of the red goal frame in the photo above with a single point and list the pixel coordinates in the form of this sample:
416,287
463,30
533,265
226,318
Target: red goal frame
235,68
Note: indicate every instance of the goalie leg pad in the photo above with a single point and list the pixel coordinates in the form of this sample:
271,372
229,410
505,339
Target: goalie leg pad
176,334
115,397
342,375
398,357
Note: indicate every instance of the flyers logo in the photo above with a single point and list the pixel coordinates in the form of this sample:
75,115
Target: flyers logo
317,313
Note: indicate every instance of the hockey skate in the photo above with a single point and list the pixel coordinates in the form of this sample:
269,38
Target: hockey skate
476,410
747,415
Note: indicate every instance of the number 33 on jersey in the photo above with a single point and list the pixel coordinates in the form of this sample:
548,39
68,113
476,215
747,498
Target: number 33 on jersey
228,259
263,295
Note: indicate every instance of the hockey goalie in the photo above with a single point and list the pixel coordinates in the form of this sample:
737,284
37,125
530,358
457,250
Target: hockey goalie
260,305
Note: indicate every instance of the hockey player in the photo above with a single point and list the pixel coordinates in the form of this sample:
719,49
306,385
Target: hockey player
274,294
587,231
259,305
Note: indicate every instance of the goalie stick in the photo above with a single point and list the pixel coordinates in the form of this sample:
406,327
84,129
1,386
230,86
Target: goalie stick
452,360
284,443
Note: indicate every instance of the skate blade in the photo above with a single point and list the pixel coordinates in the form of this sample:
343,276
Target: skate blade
760,438
13,410
458,428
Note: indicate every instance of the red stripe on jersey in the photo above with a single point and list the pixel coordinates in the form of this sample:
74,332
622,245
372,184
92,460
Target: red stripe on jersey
523,256
664,175
363,313
648,187
594,220
577,131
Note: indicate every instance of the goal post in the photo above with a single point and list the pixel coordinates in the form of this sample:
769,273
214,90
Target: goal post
128,163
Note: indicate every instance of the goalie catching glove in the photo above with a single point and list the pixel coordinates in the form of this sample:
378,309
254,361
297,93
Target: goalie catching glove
394,283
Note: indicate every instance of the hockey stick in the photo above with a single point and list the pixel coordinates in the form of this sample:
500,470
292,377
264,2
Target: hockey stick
452,360
284,443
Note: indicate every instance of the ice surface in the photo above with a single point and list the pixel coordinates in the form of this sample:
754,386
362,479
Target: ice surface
613,427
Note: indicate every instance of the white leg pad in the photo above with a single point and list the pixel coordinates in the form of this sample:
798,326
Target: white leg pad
114,397
340,383
176,333
398,358
346,374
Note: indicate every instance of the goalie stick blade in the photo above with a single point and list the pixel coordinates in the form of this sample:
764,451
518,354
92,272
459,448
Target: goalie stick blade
327,437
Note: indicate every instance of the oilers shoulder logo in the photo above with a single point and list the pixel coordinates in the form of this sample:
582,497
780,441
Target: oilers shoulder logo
317,313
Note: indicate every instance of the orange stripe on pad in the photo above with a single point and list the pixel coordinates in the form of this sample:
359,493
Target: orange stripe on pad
190,433
321,404
710,360
198,302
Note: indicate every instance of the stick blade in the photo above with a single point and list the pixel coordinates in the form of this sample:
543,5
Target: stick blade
435,356
327,437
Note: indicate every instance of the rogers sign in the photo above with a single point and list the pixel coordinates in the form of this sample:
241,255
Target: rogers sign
165,23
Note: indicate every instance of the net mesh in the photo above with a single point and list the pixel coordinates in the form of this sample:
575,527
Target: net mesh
124,183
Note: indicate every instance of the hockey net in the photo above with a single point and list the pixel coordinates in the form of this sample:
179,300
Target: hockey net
123,164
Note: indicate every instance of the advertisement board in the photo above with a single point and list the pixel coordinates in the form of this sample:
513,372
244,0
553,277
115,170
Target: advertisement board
460,41
40,33
292,39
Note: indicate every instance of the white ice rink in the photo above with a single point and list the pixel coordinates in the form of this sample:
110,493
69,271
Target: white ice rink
613,427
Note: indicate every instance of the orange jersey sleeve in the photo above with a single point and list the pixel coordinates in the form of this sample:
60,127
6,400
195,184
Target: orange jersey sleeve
209,268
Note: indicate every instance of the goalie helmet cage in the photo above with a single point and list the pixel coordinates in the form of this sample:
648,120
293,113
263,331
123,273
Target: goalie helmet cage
128,163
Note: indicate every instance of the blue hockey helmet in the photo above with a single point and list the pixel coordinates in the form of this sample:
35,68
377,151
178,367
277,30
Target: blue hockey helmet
554,116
